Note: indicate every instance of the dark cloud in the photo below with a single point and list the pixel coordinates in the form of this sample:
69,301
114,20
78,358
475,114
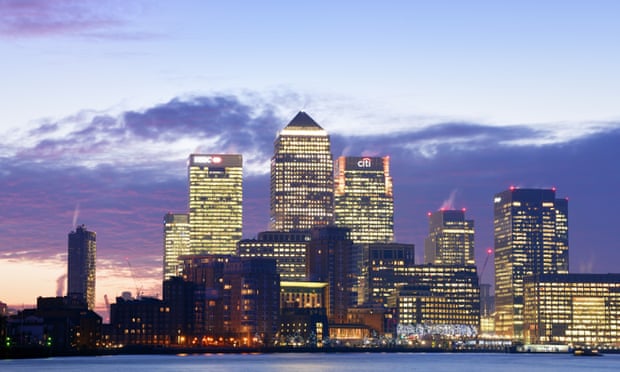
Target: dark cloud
124,201
223,117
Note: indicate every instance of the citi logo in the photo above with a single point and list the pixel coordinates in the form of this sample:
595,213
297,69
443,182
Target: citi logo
365,163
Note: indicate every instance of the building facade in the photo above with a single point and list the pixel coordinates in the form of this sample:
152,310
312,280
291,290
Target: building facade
330,259
438,294
215,203
363,198
287,248
176,243
450,238
82,256
578,309
381,270
302,183
531,238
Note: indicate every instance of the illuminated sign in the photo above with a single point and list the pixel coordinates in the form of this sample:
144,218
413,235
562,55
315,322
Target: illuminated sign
207,159
364,163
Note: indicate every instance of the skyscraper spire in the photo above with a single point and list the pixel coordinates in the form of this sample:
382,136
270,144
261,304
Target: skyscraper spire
302,186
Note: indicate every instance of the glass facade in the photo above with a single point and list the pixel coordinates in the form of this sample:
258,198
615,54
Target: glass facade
450,238
437,294
288,249
302,186
82,256
578,309
215,203
531,237
381,270
363,198
176,243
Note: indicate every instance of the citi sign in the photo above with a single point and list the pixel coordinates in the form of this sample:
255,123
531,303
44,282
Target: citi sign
364,163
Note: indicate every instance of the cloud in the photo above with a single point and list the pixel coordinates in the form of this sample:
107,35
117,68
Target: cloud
85,18
125,171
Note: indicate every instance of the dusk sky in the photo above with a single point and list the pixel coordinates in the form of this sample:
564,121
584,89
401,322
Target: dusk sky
101,103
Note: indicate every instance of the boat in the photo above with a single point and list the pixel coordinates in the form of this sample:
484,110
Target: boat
586,351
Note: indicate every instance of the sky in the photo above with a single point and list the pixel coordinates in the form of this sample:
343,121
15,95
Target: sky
101,103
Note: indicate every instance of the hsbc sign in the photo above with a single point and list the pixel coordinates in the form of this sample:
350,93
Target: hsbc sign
216,160
207,159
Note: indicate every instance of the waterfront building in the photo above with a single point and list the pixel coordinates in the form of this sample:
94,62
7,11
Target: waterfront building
303,327
450,238
235,298
377,317
363,198
287,248
330,259
531,238
215,203
82,256
207,273
381,270
305,294
442,294
176,243
143,321
302,183
251,299
577,309
58,324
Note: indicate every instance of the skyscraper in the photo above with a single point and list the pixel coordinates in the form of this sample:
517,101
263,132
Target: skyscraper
302,186
176,243
82,251
363,199
531,238
450,239
215,196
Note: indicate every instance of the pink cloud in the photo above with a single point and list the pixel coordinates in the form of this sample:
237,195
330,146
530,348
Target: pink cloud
33,18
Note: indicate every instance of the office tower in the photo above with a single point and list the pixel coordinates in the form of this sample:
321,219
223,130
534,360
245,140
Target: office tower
215,196
450,238
578,309
302,185
82,254
379,270
363,198
531,237
288,249
330,259
176,243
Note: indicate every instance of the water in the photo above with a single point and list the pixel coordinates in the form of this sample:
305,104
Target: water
302,362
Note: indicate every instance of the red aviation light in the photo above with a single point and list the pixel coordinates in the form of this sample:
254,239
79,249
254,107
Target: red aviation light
553,189
489,251
429,214
512,188
464,209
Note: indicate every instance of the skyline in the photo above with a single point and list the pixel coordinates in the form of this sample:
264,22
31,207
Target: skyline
101,112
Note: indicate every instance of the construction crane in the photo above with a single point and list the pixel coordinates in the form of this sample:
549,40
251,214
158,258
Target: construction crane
486,261
135,282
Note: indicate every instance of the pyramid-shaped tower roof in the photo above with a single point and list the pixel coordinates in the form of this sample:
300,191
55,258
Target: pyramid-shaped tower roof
304,121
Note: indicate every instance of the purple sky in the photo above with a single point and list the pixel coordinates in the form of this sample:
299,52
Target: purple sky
103,101
118,175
